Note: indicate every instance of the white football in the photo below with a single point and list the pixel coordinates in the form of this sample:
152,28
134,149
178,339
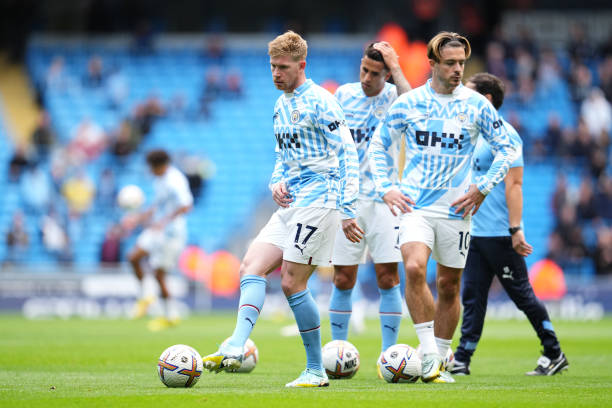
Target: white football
179,366
130,197
447,361
400,363
250,356
340,359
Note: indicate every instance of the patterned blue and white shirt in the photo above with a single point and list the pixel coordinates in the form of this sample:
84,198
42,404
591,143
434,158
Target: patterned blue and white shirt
315,154
491,220
363,115
440,133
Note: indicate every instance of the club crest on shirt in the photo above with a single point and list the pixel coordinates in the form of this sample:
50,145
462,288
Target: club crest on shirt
379,113
295,116
462,117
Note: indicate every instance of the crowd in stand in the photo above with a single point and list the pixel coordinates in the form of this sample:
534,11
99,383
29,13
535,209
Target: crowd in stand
52,172
581,240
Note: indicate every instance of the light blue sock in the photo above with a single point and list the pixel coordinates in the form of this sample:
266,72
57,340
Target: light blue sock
307,318
252,295
390,315
340,308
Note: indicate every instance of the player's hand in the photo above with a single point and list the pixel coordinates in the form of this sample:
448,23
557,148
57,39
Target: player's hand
352,231
388,53
129,222
469,202
520,245
281,195
395,199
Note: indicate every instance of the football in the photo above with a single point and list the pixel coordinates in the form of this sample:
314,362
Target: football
250,356
447,361
340,359
130,197
179,366
400,363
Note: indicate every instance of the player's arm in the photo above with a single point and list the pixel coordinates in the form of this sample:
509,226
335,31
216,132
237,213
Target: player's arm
277,184
386,135
392,60
514,201
505,151
332,123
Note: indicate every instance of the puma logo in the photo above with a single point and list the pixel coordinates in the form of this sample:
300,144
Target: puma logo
301,249
250,321
338,325
507,274
390,328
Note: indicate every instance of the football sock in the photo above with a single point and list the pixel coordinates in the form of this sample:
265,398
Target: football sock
443,346
425,333
252,295
390,312
309,323
340,308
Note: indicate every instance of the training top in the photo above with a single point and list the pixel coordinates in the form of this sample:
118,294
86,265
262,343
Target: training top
363,115
315,154
440,132
171,192
491,220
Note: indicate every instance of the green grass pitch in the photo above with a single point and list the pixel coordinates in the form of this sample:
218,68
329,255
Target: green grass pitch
102,363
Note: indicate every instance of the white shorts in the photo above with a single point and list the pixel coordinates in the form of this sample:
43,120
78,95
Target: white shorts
448,240
306,235
381,237
163,249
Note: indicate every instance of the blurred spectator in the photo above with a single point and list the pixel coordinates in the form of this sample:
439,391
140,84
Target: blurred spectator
146,114
88,142
57,79
213,88
94,76
596,113
79,192
107,189
605,76
525,64
110,252
581,82
54,236
117,88
560,196
579,47
124,140
602,256
585,207
18,162
214,49
233,84
43,136
549,72
143,38
584,145
36,190
496,63
603,198
553,135
198,171
570,232
17,239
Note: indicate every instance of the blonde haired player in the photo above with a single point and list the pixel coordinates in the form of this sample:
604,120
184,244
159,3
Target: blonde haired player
315,182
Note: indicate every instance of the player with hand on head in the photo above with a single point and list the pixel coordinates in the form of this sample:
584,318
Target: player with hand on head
165,234
365,104
316,183
440,122
497,248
